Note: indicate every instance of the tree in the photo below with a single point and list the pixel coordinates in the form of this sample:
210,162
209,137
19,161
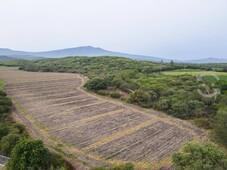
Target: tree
29,154
171,63
143,98
96,84
180,110
200,157
220,125
8,142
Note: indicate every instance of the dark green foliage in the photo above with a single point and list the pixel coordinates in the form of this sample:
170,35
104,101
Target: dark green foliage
220,126
5,103
2,93
97,84
4,129
29,154
10,132
143,98
200,157
187,109
8,142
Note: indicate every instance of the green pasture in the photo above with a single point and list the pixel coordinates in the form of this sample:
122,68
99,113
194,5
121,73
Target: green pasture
195,72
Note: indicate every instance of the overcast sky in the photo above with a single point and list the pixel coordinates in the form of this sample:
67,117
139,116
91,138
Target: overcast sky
178,29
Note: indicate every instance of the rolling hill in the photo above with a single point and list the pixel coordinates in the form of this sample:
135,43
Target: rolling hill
78,51
93,51
5,58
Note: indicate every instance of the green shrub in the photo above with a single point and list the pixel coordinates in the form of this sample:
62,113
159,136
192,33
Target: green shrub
8,142
29,154
115,95
200,157
2,93
96,84
125,87
220,125
141,97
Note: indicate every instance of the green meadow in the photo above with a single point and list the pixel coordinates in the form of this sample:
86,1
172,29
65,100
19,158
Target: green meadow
209,75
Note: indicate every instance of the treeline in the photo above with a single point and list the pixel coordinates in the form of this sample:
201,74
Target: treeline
105,64
24,152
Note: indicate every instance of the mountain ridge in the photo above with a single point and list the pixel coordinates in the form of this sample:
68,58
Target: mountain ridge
95,51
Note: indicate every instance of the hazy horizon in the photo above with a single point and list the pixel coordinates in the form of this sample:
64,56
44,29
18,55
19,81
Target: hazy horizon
175,29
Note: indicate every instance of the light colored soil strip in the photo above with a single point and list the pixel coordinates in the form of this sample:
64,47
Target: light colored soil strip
55,101
32,84
120,134
67,111
40,93
83,121
45,86
62,104
55,95
37,100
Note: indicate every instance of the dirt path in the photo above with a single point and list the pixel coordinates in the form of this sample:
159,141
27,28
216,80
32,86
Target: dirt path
90,130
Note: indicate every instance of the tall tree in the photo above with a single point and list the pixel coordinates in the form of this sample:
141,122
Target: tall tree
29,154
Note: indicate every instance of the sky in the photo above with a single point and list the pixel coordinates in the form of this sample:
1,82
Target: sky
176,29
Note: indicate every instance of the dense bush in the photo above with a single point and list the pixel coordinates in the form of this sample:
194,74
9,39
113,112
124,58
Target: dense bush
29,154
97,84
200,157
8,142
220,125
141,97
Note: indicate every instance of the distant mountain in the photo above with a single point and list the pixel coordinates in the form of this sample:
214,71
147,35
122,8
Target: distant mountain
78,51
5,58
92,51
13,55
207,60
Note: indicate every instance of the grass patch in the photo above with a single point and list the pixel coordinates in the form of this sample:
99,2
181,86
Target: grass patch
195,72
